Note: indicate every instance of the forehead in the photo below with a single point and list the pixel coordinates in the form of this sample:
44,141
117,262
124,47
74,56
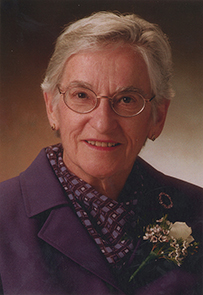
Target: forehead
117,66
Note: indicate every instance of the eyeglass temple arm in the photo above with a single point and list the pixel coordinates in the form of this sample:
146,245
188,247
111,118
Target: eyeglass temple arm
60,90
152,98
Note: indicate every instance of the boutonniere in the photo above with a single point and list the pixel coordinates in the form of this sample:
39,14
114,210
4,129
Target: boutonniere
170,241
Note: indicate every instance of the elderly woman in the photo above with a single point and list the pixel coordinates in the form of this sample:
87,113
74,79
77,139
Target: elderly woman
74,222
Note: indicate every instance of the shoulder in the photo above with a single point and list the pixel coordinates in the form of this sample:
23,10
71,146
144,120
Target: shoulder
11,190
13,186
186,198
155,179
34,191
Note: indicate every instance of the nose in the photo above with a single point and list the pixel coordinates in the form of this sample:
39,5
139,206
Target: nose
104,119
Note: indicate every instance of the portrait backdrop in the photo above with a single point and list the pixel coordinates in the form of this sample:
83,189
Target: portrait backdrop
29,29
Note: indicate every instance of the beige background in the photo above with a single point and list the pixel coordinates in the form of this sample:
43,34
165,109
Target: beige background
28,31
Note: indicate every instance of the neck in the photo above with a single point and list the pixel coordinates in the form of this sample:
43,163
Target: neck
110,184
110,187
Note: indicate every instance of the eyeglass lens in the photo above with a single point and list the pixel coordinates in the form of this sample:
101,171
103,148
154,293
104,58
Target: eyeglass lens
82,100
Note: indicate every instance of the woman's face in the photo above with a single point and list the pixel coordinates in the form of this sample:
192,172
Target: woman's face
101,143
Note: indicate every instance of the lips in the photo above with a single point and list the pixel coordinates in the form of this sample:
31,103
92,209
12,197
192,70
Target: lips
102,143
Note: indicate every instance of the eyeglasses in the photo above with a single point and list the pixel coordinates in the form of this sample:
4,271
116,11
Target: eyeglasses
82,100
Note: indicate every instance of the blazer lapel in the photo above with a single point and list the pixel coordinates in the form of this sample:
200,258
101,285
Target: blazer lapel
63,231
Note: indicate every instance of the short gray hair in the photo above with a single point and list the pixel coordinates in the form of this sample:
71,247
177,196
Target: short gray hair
105,28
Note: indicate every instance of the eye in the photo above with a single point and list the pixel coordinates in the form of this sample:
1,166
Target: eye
82,95
79,93
126,99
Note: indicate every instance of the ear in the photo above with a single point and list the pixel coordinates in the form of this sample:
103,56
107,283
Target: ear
159,120
51,110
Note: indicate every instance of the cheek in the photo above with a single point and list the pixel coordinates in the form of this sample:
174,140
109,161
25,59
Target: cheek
71,126
65,123
65,118
139,130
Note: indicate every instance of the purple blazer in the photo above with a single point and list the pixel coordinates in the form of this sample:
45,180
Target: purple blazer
44,249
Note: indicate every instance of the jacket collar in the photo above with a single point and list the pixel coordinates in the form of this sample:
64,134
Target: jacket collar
42,191
64,232
38,181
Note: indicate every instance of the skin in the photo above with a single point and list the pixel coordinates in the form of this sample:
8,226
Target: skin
105,168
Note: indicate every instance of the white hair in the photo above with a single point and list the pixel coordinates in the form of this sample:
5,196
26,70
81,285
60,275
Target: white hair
106,28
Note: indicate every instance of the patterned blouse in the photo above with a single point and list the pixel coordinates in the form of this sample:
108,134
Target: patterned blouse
106,220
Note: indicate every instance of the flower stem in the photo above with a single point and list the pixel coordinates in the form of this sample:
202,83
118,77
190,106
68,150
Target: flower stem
152,255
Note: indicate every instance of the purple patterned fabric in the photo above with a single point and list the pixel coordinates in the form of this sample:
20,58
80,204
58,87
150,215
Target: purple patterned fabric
104,218
45,249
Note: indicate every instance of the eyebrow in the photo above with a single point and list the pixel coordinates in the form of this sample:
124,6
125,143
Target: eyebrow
80,84
84,84
131,89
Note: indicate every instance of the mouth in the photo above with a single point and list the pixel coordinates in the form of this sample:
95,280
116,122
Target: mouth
102,143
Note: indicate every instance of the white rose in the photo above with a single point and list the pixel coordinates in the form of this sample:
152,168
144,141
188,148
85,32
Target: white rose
180,230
